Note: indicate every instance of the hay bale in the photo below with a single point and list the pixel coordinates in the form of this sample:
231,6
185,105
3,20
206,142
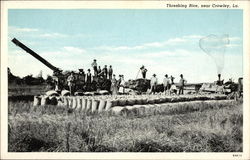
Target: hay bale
65,93
102,105
117,110
52,93
37,101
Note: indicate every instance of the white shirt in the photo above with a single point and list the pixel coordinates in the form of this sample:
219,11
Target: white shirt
166,81
153,81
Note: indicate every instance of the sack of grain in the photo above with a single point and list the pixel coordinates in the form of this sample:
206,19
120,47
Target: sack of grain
138,101
140,109
65,93
53,100
157,100
117,110
79,103
60,102
52,93
94,107
131,101
84,104
102,105
78,94
110,104
70,100
89,104
65,101
122,102
44,100
74,102
37,101
144,101
150,101
103,92
132,110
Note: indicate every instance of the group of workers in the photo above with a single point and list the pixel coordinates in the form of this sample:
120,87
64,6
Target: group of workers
105,72
83,78
168,82
117,85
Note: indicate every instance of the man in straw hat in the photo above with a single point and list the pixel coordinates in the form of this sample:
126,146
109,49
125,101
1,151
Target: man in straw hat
153,83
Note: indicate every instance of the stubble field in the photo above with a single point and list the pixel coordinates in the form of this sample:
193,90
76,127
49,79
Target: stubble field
199,126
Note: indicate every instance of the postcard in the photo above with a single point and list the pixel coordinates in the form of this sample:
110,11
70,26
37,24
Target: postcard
125,79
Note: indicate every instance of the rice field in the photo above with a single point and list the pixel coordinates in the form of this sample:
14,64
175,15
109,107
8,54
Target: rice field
195,126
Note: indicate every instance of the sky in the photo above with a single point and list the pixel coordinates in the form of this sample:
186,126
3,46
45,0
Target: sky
189,42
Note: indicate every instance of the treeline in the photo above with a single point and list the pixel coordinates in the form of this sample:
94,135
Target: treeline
28,80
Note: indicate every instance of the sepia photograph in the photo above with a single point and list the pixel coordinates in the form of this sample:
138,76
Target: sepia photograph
125,80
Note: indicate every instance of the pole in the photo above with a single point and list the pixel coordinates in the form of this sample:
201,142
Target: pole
137,74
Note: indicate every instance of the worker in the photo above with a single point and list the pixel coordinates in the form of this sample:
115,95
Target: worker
81,77
240,87
166,85
121,85
110,72
173,88
105,72
113,87
153,83
88,77
99,70
181,84
71,81
94,65
88,80
143,71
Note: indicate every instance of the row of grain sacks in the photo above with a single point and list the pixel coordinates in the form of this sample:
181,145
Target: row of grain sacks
134,110
122,100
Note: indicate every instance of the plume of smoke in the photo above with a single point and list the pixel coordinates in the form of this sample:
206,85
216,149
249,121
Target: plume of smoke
215,46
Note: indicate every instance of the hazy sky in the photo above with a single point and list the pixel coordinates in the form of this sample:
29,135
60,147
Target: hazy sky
165,41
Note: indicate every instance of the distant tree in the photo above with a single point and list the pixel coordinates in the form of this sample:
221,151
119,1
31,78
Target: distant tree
13,79
28,79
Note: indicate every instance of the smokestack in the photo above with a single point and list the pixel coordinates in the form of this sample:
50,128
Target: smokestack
219,75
